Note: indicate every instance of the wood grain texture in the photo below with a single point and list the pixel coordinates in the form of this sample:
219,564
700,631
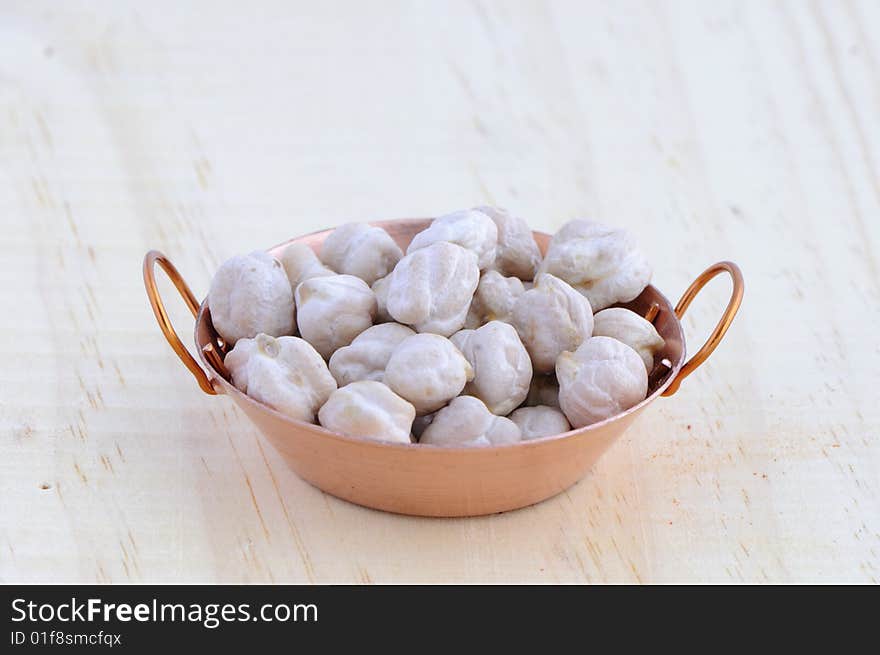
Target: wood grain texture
725,130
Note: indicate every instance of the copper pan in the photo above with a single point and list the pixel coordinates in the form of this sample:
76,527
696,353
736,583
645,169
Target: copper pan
429,480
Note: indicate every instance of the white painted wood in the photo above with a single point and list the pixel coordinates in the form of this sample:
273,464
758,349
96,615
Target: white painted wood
747,131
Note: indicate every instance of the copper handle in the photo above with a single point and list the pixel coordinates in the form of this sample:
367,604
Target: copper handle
150,260
720,329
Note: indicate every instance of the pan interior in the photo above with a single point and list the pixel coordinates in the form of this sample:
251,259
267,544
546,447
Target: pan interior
403,230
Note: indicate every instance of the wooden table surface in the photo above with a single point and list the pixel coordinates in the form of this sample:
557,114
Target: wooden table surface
724,130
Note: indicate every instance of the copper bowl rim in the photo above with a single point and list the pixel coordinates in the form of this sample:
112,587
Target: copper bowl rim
231,390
